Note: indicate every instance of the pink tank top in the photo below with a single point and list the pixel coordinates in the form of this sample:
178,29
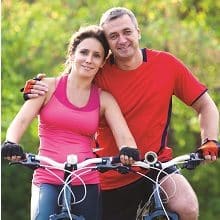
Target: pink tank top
66,129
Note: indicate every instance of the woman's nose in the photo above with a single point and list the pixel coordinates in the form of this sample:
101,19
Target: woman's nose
89,59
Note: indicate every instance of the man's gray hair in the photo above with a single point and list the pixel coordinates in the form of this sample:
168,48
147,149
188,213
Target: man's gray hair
117,12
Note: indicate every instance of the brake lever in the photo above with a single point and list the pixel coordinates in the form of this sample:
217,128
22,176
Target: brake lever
193,162
27,163
123,169
116,167
15,163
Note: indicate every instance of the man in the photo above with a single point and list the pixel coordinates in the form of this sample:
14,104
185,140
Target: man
143,82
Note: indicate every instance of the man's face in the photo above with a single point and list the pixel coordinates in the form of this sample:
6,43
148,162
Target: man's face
122,36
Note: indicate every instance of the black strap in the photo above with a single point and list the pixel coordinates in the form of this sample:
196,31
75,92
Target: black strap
144,54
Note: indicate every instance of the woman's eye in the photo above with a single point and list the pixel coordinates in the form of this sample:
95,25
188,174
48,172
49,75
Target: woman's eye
84,52
97,55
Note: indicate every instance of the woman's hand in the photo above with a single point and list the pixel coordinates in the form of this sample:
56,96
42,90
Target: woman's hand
128,155
12,151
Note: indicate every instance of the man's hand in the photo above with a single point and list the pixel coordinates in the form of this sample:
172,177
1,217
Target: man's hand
12,151
210,150
128,155
34,87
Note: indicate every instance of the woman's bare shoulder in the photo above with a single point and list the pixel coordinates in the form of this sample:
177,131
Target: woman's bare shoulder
49,80
51,83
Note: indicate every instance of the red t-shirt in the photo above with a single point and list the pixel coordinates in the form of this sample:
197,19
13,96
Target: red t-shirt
145,98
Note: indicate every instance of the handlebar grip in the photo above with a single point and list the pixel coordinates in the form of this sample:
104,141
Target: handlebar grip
195,160
24,156
115,159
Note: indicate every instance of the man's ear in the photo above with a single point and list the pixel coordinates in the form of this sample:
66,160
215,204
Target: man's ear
139,33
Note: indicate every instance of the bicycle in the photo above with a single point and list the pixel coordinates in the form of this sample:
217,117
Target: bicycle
154,208
69,167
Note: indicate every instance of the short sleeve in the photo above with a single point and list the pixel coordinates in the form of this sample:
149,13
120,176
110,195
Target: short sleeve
186,87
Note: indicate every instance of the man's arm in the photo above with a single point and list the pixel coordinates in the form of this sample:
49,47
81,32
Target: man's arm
209,121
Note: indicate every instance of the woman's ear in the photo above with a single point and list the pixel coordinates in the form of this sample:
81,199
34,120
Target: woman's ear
103,63
71,58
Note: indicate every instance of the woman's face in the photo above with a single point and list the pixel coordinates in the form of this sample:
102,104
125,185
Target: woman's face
88,57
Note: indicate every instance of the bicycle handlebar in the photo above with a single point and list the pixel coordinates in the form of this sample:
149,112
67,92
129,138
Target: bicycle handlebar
189,161
103,164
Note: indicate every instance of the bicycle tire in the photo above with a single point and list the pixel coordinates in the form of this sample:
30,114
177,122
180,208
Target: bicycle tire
65,216
160,215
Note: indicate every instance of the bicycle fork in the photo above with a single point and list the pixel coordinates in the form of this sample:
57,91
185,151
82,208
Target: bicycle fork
66,199
66,208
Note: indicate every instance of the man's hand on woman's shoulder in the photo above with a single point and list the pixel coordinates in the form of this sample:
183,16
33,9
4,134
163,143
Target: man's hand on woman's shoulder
34,87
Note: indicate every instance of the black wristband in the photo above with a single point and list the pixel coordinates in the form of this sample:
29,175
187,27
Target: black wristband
9,142
206,140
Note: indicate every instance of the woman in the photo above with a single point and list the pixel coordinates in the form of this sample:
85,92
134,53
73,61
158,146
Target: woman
68,119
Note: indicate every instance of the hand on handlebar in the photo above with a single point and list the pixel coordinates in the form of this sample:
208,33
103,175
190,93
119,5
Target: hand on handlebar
210,150
34,87
128,155
12,151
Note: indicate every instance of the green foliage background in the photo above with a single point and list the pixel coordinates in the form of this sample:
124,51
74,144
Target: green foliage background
34,39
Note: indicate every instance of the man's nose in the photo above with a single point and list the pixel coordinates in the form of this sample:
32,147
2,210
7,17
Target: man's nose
122,38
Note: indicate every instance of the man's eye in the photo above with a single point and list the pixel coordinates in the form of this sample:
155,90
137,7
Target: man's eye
113,37
128,32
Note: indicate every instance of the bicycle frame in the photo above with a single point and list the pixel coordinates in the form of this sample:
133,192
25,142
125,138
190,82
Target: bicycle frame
66,199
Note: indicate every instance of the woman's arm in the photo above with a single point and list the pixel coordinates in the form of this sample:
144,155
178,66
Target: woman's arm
116,121
11,150
28,112
24,117
123,137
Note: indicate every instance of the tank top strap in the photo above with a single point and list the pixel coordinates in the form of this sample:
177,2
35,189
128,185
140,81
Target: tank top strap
94,100
61,86
60,94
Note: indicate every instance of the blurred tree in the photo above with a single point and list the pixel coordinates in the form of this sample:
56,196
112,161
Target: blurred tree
34,39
